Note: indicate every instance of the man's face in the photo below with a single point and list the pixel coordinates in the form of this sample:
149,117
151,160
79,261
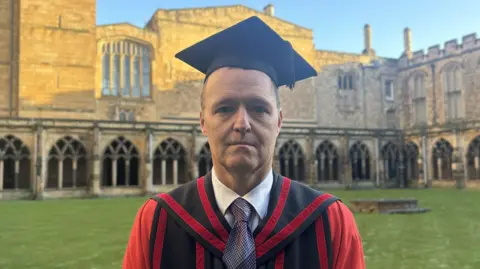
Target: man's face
240,118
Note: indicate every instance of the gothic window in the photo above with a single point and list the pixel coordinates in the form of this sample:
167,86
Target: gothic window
473,159
126,69
327,162
346,93
452,83
126,115
14,164
170,163
204,160
360,161
292,164
120,164
391,159
345,81
67,164
419,100
411,153
389,93
442,160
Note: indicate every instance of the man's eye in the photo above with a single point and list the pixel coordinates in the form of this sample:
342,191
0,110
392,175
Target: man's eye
260,109
225,109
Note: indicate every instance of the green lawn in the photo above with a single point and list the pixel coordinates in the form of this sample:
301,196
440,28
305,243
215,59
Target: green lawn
91,234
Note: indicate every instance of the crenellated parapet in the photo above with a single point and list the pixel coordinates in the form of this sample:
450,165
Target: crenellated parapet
451,47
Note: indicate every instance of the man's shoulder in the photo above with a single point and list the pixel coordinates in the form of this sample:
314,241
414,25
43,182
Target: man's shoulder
183,194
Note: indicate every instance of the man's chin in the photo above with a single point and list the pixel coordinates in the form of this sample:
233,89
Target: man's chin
239,163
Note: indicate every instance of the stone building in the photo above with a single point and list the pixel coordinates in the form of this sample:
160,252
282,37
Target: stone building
104,110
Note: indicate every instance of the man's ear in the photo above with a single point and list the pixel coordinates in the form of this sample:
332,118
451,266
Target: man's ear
202,123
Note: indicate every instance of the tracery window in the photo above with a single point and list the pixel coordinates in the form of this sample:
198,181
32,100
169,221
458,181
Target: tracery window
360,161
14,164
292,161
67,164
170,164
327,161
126,69
452,83
419,100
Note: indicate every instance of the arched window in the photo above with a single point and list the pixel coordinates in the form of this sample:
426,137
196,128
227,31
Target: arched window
453,85
126,69
419,100
292,161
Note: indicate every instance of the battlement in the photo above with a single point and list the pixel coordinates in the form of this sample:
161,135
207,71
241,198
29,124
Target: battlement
450,47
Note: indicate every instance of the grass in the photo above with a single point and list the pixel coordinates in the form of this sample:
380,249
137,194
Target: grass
91,234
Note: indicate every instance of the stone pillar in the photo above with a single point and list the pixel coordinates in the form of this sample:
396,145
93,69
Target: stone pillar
1,175
175,172
60,174
458,167
407,42
425,161
347,168
148,183
40,163
310,160
164,172
192,159
377,162
96,164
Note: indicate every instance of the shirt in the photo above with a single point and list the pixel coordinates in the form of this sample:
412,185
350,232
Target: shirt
257,197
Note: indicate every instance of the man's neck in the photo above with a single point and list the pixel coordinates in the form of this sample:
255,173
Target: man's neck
240,181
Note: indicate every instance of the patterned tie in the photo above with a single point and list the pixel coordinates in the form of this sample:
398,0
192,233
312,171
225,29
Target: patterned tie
240,249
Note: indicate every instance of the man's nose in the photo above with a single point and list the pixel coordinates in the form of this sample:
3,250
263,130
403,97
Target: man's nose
242,121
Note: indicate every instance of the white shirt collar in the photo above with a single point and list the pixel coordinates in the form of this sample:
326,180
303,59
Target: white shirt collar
257,197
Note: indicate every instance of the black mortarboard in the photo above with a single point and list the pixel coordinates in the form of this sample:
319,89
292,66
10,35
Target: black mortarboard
249,44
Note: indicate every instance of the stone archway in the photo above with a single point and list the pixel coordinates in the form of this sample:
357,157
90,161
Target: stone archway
15,169
170,163
360,161
292,161
120,164
205,163
67,164
442,154
327,161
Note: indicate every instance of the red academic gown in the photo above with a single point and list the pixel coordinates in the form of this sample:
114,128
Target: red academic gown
304,228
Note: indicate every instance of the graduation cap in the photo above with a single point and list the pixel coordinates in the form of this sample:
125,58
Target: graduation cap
249,44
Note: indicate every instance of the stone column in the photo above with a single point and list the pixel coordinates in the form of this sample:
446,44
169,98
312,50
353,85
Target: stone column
164,172
1,175
309,160
40,163
377,161
347,168
425,161
60,174
458,167
192,158
96,164
148,183
175,172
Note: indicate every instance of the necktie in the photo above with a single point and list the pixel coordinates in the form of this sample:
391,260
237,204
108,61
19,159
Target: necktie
239,251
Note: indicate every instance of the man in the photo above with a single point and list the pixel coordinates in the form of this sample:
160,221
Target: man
242,214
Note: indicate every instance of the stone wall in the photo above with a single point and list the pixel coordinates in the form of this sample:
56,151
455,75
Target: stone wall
433,66
183,27
57,56
8,56
364,106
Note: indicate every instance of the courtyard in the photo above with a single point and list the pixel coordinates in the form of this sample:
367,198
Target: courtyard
92,233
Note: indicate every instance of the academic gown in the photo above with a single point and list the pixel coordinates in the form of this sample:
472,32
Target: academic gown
304,228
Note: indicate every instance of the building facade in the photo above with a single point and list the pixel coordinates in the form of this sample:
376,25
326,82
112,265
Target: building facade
104,110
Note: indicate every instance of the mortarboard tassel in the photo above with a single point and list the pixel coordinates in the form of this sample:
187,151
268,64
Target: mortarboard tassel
291,62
